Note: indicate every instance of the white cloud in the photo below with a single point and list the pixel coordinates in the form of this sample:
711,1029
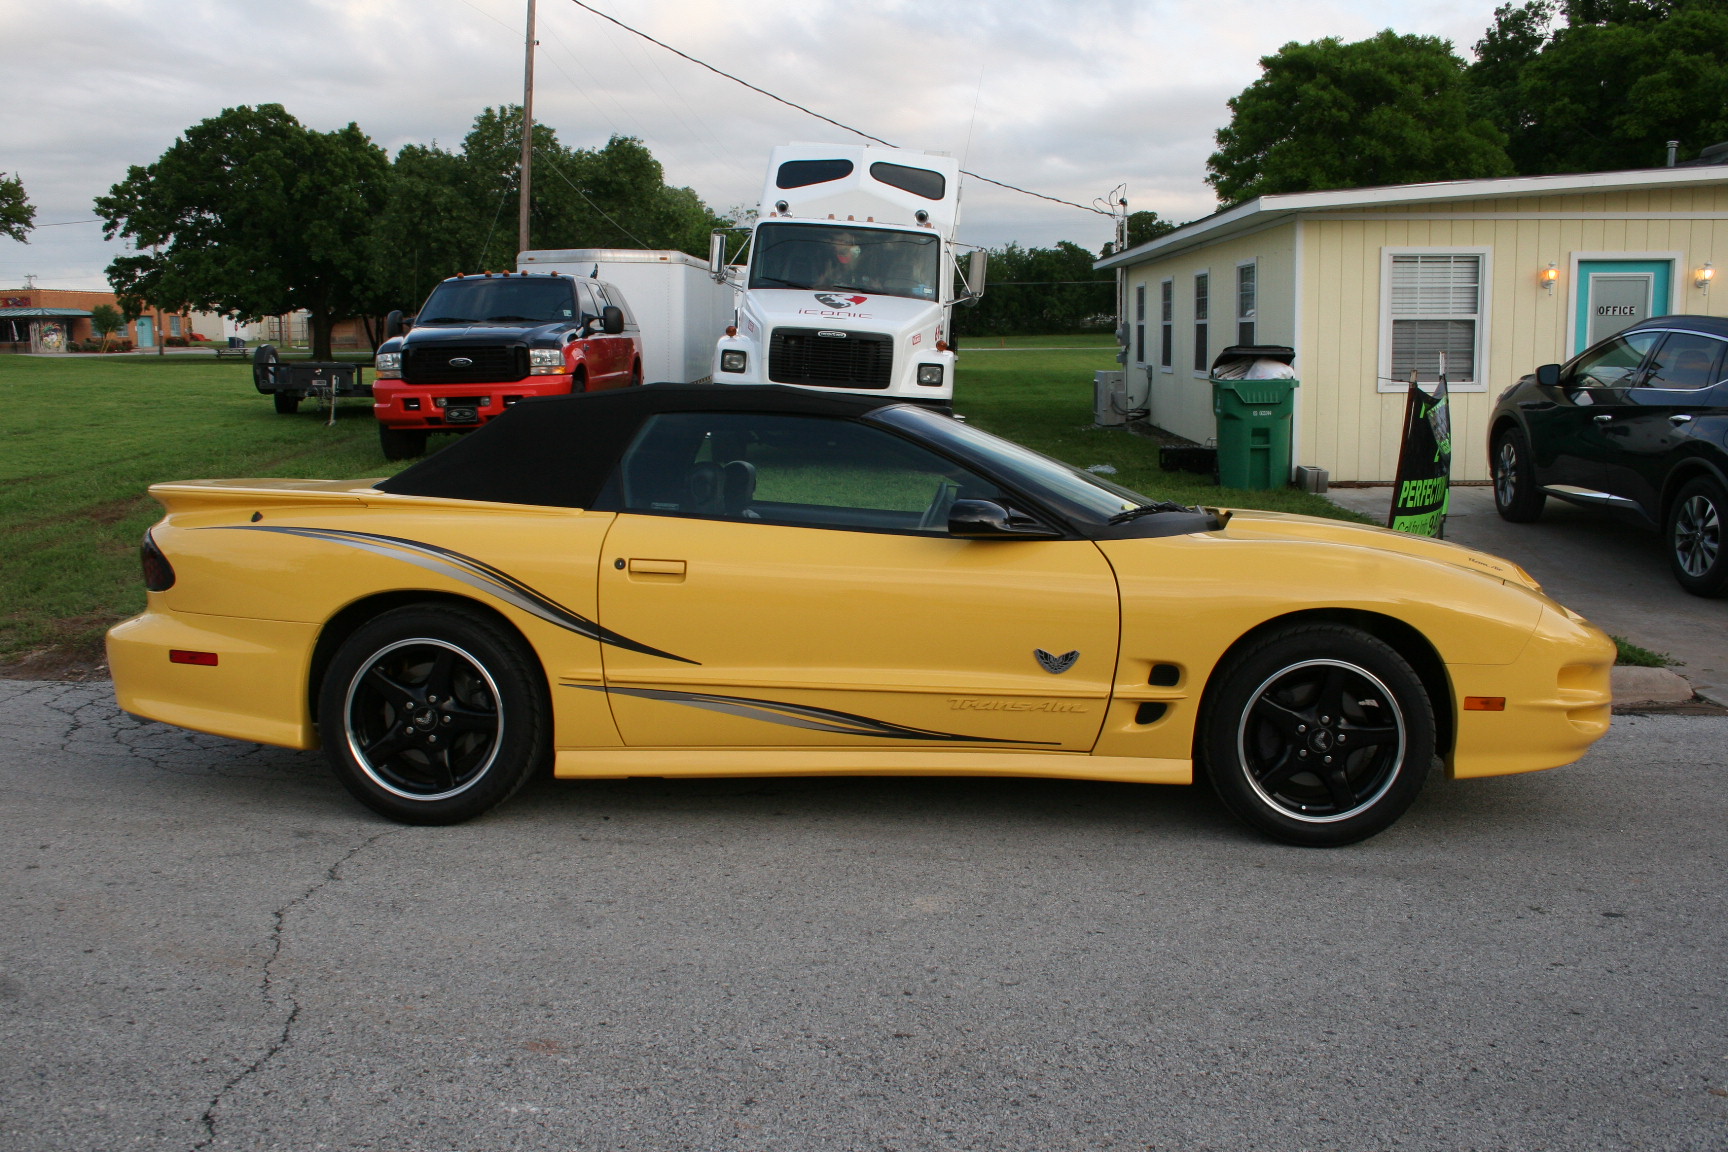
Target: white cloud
1066,98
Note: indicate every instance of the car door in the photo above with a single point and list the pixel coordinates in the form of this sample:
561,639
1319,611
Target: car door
1568,422
1649,419
794,583
594,345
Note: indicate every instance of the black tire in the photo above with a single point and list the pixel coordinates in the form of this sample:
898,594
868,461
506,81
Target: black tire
1277,715
401,443
286,403
433,714
1693,531
1516,495
636,375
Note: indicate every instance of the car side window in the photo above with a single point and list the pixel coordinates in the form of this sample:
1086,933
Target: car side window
808,471
1611,365
1685,361
586,304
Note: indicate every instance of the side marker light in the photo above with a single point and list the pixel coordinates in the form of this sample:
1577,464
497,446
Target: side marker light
1484,703
183,656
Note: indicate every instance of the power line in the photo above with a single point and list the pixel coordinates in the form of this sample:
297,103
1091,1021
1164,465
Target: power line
818,115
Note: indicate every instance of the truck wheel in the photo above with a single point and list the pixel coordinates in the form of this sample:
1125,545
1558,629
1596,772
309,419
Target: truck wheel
401,443
636,375
286,403
579,382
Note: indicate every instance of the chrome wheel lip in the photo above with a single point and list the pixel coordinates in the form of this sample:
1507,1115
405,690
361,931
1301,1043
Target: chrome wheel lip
359,755
1697,535
1392,774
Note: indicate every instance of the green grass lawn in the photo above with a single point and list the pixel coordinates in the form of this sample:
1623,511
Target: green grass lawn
87,435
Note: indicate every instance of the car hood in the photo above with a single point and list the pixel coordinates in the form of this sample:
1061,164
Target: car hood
1257,525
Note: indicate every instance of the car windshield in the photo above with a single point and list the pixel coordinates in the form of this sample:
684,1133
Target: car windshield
499,300
1071,491
836,258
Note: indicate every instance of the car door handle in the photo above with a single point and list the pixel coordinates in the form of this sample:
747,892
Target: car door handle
1603,418
670,571
1680,418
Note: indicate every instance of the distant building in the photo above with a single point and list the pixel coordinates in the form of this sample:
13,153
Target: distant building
1368,284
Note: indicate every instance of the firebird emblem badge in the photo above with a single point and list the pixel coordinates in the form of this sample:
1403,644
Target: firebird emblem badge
1056,664
834,300
461,362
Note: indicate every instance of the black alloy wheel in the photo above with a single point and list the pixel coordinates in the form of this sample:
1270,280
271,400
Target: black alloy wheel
1516,495
433,714
1317,735
401,443
1694,535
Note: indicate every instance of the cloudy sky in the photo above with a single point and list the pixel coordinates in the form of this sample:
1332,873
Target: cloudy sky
1066,97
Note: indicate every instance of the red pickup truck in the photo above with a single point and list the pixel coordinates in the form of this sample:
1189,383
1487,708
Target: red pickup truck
484,342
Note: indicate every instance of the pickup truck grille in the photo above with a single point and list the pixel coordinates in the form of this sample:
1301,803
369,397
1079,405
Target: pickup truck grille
491,364
856,360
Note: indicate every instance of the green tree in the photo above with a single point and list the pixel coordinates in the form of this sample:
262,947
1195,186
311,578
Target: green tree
105,320
1041,291
1145,226
17,214
1607,88
253,214
1388,110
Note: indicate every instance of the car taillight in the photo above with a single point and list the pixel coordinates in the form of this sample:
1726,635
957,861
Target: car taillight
158,573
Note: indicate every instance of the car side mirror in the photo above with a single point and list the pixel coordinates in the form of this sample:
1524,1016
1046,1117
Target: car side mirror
612,320
988,520
1548,375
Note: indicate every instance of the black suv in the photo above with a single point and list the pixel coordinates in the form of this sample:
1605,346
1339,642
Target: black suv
1637,423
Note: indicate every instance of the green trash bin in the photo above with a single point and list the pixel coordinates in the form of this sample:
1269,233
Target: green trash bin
1254,419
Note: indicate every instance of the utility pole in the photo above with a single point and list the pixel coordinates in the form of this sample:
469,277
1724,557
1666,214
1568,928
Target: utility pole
527,135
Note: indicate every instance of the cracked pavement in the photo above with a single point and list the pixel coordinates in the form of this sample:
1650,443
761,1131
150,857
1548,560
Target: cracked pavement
208,945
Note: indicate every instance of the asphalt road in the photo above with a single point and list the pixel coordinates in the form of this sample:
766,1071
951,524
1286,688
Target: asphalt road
1597,564
207,945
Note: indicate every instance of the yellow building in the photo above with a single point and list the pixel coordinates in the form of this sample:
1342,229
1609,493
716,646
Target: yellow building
1367,284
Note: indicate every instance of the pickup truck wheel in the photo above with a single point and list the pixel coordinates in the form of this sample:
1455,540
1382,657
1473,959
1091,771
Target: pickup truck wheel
1694,530
636,375
433,714
401,443
1516,496
579,382
286,403
1317,735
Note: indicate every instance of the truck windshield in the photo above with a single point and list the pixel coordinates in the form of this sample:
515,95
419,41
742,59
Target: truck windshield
842,258
503,300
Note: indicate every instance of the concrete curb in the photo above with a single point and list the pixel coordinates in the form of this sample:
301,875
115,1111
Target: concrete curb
1649,686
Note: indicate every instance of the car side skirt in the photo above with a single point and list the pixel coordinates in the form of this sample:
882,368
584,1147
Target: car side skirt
614,763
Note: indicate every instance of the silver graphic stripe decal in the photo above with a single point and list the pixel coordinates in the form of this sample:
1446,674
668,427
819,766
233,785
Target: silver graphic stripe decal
474,573
798,715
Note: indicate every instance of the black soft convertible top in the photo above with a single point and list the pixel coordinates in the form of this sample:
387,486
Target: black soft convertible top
559,450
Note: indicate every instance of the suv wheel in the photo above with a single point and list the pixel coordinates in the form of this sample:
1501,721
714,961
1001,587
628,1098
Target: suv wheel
1694,534
1516,496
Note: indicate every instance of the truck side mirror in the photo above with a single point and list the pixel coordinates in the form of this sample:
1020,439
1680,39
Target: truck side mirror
611,320
394,325
717,256
976,265
1548,375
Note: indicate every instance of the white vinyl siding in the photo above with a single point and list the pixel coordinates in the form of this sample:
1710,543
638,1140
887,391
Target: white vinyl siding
1435,303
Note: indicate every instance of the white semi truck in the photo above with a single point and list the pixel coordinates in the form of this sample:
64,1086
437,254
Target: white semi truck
852,275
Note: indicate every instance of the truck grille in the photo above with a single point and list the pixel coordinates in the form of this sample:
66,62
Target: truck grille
491,364
857,360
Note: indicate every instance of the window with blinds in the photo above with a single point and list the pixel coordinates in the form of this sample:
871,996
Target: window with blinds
1247,302
1201,292
1436,307
1166,321
1140,324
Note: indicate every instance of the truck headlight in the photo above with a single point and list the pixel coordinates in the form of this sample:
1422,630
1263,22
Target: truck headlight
930,375
388,365
546,361
733,361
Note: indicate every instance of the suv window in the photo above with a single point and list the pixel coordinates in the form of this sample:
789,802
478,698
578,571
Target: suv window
809,471
1686,360
1610,365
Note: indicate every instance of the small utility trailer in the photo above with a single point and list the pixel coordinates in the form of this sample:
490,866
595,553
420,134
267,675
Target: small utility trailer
289,382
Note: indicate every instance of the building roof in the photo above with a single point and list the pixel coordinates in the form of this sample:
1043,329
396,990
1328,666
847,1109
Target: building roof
1265,210
40,313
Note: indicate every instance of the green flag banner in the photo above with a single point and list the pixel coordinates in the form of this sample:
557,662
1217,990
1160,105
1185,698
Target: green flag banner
1423,489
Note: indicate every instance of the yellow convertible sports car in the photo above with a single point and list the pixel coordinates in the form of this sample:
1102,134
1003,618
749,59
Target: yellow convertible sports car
703,581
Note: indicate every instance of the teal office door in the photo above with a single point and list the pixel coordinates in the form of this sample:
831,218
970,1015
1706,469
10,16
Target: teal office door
1616,294
146,332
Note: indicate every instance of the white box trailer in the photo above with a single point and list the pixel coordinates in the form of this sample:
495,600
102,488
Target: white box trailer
677,304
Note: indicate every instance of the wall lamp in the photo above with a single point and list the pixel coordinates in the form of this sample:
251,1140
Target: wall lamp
1547,277
1705,275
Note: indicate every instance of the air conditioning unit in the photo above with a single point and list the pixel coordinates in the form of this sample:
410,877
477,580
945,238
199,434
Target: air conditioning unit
1109,399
